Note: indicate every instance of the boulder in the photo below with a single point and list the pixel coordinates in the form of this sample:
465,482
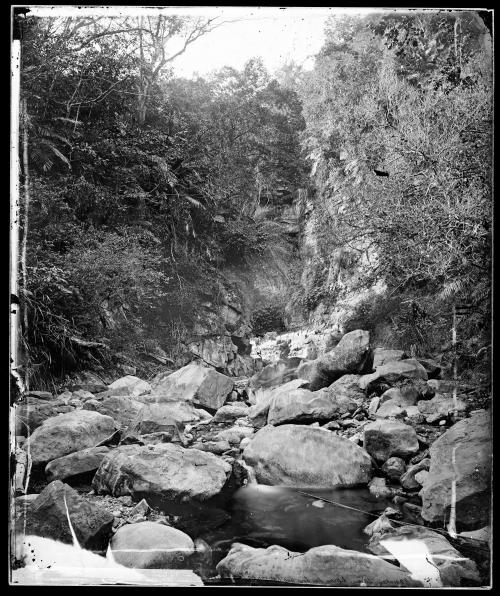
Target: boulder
80,462
387,438
408,480
230,413
382,356
297,455
150,545
304,405
48,514
390,409
393,372
82,395
454,569
404,396
463,454
170,417
234,434
129,385
195,383
440,407
320,566
67,433
394,468
347,387
34,411
378,488
433,368
381,525
165,469
257,414
276,374
350,356
121,408
217,447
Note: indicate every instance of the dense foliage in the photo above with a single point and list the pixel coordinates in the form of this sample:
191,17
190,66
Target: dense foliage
140,187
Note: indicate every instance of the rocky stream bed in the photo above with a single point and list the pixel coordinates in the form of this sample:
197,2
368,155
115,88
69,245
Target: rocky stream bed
350,466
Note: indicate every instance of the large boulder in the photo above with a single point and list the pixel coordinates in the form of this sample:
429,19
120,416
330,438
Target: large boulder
350,356
454,569
150,545
382,356
67,433
296,455
201,385
275,374
170,417
129,385
347,387
80,462
257,414
320,566
461,456
48,514
387,438
392,373
121,408
301,405
167,470
34,411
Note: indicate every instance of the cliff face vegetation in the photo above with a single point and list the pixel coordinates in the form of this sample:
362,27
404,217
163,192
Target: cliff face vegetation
163,217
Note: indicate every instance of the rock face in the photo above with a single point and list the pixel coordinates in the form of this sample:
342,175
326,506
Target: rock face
80,462
129,385
165,469
150,545
386,438
393,372
34,411
276,374
350,356
121,408
198,384
296,455
469,441
321,566
47,517
382,356
304,405
454,569
67,433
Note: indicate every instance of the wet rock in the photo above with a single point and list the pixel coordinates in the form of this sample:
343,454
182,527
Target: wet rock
122,409
394,468
387,438
378,488
80,462
129,385
230,413
454,569
322,566
67,433
393,372
276,374
462,454
149,545
47,517
408,480
382,356
166,470
195,383
297,455
33,412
